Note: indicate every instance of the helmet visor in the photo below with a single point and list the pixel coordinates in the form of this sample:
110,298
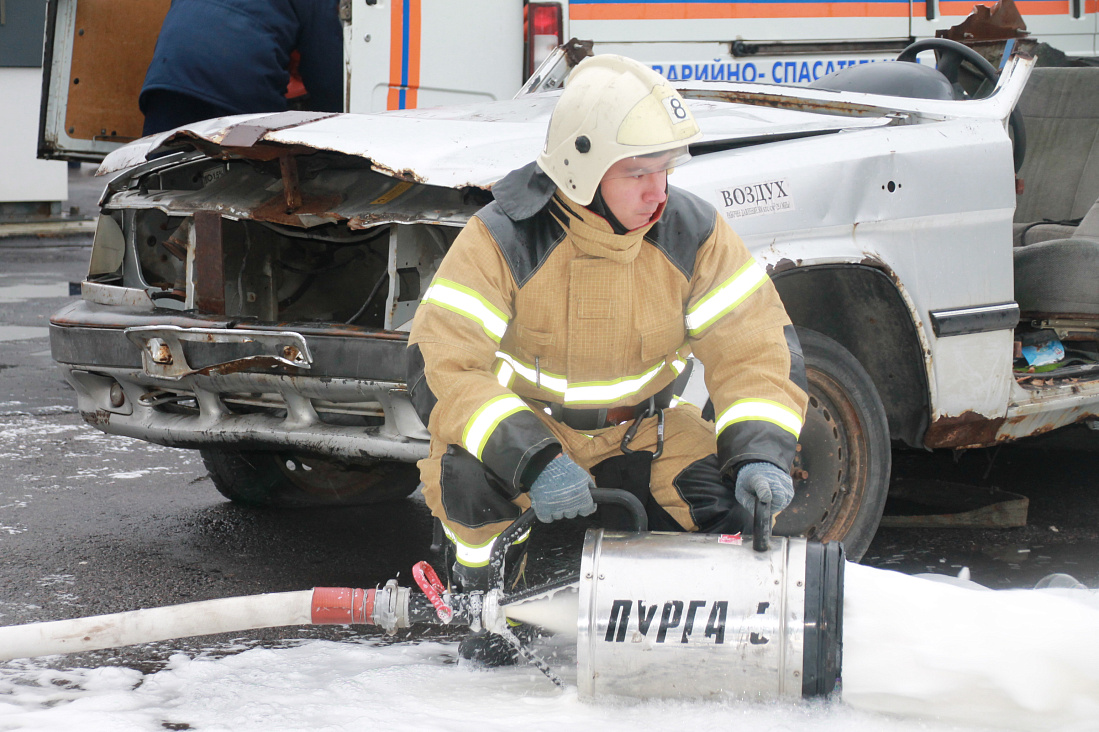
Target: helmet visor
646,164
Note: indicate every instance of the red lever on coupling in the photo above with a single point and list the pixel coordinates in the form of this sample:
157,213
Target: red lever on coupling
429,582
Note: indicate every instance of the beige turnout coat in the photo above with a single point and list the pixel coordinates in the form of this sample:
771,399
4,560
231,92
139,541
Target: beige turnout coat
538,302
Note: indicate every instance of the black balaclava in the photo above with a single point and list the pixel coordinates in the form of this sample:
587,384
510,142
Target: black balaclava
599,206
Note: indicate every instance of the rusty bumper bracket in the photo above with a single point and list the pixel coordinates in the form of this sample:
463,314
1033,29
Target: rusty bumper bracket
172,352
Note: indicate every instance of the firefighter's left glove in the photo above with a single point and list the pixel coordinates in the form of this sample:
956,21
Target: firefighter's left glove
561,490
764,481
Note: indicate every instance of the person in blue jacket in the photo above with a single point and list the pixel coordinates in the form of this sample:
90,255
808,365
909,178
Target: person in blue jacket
220,57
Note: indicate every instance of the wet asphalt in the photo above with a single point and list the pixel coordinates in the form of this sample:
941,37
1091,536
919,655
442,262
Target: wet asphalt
91,523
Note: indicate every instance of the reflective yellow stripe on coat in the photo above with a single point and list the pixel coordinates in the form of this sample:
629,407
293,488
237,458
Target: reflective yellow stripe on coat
726,296
587,392
467,302
761,409
484,421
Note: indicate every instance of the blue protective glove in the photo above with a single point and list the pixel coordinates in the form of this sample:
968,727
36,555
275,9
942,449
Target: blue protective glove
561,490
765,481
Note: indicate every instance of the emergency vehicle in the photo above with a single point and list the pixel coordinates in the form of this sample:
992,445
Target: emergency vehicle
404,54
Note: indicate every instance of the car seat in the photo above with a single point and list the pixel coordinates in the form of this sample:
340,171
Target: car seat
1061,276
1060,107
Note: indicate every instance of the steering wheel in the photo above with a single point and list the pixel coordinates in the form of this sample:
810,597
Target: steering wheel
951,55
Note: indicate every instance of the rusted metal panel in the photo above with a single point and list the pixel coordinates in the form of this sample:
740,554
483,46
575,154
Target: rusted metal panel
291,186
288,209
1029,425
209,263
247,135
785,101
1002,20
782,265
369,200
966,430
972,430
164,353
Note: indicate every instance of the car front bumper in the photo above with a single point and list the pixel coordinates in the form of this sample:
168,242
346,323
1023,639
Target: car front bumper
192,381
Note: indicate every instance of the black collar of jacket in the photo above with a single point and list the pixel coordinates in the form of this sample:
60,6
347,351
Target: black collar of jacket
686,223
524,192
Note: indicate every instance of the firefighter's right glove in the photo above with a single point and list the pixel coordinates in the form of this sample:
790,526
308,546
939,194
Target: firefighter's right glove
561,490
764,481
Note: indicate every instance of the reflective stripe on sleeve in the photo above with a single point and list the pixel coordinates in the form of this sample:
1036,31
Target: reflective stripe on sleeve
479,555
466,301
485,419
760,409
725,297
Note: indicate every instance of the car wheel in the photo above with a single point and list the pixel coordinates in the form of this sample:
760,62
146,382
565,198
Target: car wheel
282,479
841,472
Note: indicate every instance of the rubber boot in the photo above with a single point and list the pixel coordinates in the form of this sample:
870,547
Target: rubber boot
481,648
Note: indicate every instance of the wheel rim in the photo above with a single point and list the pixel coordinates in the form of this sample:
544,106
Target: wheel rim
831,466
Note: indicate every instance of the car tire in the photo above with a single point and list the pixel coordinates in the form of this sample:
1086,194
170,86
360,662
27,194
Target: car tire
279,479
841,471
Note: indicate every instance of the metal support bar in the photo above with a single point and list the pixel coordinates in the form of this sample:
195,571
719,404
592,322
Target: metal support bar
209,262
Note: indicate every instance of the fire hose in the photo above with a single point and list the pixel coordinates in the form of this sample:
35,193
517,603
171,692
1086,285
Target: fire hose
389,607
773,609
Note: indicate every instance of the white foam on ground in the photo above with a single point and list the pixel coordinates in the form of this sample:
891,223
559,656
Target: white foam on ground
322,685
1010,659
918,655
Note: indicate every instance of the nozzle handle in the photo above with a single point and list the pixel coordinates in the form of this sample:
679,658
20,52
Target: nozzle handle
761,526
626,500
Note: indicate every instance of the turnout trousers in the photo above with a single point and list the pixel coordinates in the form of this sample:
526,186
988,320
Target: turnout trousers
685,491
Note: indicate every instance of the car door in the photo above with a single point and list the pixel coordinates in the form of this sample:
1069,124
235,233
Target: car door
96,55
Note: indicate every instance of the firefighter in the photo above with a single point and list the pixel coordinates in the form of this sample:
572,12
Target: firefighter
544,354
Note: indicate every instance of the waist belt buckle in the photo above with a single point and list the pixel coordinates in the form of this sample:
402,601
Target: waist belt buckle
650,410
619,415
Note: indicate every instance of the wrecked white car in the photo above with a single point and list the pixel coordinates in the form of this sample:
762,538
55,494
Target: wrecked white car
253,279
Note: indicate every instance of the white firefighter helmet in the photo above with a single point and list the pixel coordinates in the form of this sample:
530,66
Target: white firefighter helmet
614,108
